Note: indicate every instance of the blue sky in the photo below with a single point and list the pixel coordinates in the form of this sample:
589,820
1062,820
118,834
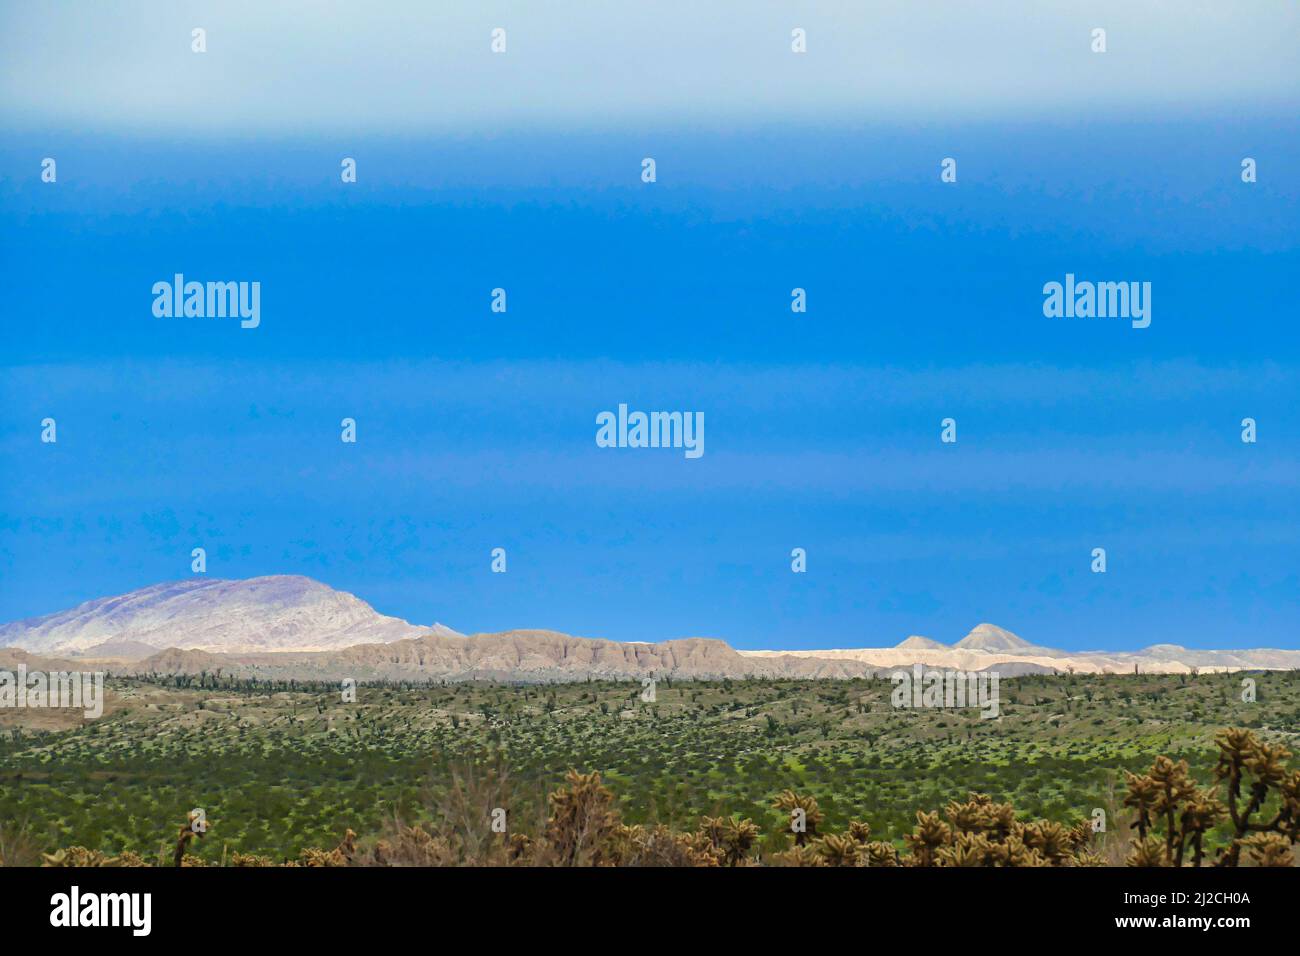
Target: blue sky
476,430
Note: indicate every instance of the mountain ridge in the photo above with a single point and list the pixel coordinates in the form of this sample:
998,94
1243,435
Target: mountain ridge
916,642
294,626
990,637
270,613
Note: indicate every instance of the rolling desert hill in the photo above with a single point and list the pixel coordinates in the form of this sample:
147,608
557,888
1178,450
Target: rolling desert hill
275,613
288,626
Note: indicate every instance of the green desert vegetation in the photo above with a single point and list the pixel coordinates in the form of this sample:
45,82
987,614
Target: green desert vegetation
705,773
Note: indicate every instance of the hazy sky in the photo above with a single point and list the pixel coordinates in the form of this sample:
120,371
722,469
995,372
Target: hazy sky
476,429
399,67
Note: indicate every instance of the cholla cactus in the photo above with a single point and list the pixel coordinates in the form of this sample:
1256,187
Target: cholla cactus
980,832
1175,786
732,837
880,853
1015,852
77,856
979,814
1241,756
1168,799
1147,852
341,855
1288,822
799,855
1055,843
971,816
860,832
1202,811
1270,849
788,802
838,850
930,834
1173,781
1081,834
967,849
518,847
1143,792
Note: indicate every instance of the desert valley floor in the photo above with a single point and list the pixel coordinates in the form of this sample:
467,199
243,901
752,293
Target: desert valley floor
281,767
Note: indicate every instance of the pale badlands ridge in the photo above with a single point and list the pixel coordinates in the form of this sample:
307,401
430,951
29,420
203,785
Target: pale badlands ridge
292,626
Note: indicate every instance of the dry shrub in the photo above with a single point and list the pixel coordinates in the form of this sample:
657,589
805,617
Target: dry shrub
583,821
17,846
409,846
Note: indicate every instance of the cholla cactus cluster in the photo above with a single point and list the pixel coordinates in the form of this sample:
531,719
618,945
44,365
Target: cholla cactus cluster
1175,821
1262,807
80,856
805,810
977,832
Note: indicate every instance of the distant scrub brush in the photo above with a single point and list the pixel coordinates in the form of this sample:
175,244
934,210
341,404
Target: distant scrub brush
1172,817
